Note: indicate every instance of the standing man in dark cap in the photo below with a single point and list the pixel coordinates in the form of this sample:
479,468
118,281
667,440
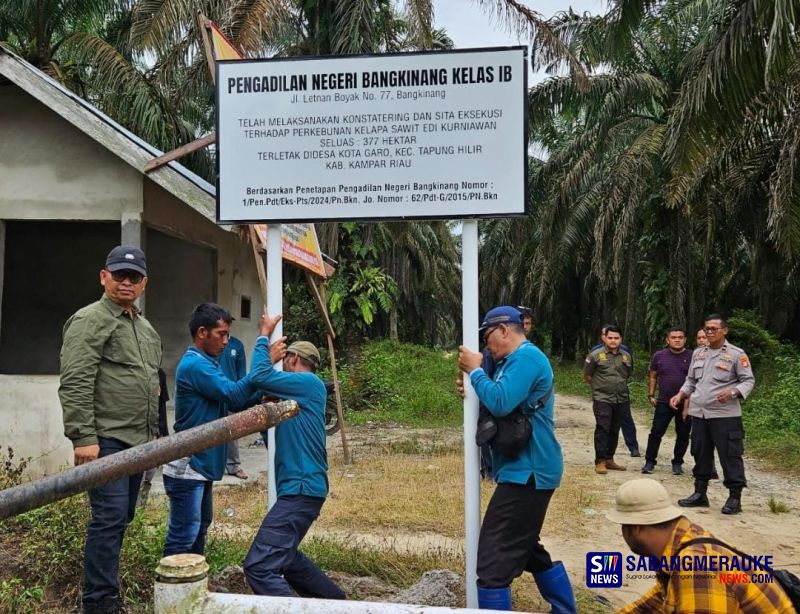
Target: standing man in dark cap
109,395
509,542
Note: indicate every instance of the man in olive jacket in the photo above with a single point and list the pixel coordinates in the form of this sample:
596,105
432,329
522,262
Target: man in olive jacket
109,395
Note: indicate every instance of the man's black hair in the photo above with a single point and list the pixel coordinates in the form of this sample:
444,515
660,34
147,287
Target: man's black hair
526,312
716,316
208,316
676,329
304,361
612,328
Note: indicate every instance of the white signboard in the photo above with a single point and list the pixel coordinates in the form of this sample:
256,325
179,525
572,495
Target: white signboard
414,135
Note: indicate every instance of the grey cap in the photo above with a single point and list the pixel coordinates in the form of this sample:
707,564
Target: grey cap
126,258
305,349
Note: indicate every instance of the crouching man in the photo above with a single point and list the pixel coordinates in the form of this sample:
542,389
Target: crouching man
509,539
653,527
274,565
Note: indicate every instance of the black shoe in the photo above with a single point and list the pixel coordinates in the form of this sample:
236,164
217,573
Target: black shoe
697,499
107,605
677,468
635,453
649,467
732,506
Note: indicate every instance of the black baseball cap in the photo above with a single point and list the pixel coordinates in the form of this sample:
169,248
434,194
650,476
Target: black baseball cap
126,258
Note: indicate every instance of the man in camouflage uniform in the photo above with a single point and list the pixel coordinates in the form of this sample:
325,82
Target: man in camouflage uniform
607,370
719,377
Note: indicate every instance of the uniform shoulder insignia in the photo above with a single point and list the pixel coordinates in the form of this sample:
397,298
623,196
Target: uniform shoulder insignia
602,355
744,361
625,358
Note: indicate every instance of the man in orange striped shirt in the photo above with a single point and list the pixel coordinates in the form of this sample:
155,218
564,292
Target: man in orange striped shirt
653,527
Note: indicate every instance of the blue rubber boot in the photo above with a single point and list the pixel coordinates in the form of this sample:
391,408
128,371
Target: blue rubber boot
494,598
555,587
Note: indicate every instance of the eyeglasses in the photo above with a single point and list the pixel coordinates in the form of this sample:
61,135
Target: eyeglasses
710,330
133,276
488,334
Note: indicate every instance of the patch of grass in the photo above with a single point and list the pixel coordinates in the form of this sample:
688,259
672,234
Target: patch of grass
15,596
387,564
777,507
404,383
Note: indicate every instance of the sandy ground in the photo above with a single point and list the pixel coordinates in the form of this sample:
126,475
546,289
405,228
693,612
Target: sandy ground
757,530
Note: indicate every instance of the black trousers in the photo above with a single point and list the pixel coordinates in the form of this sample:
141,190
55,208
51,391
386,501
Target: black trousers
275,566
608,419
727,436
663,415
509,540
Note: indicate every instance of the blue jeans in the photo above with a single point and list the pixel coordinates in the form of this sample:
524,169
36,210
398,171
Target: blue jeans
274,565
190,513
113,507
629,431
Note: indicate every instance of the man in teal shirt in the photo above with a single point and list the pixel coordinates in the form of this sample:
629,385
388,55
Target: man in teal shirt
509,539
274,565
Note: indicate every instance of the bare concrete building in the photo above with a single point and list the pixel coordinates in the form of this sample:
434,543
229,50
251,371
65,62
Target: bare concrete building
72,186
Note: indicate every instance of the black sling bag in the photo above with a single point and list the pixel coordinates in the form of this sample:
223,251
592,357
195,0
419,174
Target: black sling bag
510,434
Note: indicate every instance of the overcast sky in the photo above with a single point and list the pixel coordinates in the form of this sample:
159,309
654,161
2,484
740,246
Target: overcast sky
469,26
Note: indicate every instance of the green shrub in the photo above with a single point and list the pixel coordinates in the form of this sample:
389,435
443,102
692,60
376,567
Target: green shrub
402,382
745,331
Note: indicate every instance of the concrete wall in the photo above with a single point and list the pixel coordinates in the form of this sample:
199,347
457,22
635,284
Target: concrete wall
30,422
51,170
236,273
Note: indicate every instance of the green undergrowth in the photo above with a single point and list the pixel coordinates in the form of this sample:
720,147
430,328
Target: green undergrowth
404,383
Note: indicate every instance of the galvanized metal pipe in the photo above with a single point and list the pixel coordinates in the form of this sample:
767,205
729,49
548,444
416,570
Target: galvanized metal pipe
138,459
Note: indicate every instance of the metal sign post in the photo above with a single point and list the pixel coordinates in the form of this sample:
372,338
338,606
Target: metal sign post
274,306
472,479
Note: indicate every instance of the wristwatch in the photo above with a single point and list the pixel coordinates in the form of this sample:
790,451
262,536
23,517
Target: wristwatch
735,393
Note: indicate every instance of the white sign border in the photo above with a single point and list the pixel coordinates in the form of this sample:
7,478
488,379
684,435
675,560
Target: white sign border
398,218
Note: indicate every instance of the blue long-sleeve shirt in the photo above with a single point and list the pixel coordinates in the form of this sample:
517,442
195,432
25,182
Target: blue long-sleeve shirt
202,394
524,376
301,461
233,363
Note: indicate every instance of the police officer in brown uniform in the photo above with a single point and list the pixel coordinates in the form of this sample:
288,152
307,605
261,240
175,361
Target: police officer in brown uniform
607,369
719,377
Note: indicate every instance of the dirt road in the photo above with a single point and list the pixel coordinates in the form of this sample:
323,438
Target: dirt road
757,530
576,523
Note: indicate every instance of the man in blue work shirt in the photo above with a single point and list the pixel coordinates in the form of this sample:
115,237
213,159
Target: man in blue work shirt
202,394
274,565
509,539
233,363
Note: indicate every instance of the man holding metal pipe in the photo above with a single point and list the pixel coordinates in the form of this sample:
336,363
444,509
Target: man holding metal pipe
203,394
509,538
109,396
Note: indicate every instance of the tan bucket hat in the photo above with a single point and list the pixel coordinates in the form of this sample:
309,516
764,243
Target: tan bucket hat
305,349
643,501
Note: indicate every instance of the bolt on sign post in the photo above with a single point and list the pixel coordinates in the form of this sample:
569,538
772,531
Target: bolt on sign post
430,135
